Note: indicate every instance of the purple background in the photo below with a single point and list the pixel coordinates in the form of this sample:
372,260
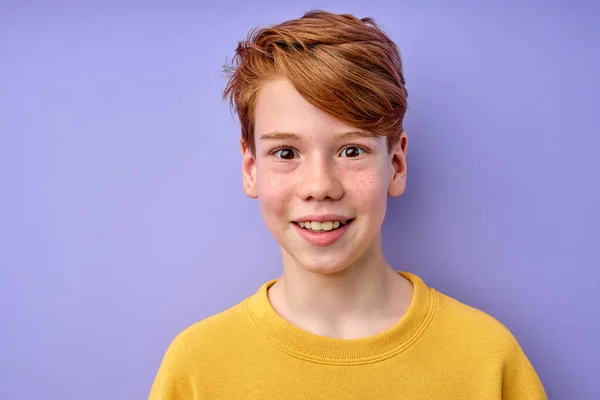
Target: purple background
123,221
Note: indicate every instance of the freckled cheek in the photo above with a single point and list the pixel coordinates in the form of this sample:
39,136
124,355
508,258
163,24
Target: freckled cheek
370,191
369,185
273,191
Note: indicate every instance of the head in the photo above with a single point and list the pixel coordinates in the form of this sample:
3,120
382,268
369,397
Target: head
321,101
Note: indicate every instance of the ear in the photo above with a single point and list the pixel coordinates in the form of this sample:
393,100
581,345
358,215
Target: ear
248,171
397,155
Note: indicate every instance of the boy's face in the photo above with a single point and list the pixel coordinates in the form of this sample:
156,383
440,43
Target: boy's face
309,166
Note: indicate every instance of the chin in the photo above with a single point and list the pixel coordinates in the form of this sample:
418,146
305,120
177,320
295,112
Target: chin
324,270
326,260
323,265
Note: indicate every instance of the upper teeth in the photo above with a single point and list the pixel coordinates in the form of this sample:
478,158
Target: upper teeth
320,226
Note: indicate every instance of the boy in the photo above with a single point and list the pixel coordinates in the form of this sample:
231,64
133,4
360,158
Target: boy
321,101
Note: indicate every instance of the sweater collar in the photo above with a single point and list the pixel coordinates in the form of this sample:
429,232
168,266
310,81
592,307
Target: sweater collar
323,349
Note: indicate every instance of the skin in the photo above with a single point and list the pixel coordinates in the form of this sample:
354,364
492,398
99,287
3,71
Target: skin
347,289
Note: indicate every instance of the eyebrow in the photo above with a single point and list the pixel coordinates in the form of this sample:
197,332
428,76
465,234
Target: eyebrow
275,135
279,136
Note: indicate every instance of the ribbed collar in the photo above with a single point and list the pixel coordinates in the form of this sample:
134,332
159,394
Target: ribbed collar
323,349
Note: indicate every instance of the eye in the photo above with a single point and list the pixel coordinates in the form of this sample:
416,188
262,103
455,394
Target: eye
284,154
352,151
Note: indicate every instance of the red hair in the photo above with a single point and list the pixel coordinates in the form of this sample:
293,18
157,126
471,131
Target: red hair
342,65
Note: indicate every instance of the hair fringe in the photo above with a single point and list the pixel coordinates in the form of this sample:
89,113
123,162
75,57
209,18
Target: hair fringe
345,66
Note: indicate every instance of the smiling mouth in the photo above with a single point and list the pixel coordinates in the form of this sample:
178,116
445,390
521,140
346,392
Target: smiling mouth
322,227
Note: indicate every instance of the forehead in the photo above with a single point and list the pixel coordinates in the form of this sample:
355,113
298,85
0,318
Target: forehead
279,107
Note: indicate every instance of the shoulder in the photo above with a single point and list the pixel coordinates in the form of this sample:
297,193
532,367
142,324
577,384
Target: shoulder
472,326
216,327
190,358
198,341
477,339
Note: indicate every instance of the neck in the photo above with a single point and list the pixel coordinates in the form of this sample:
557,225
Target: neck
364,298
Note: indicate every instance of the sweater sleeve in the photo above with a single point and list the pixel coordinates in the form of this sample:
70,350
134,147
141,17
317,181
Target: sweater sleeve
172,382
520,381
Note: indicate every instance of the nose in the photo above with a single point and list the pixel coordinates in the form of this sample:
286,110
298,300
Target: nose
319,181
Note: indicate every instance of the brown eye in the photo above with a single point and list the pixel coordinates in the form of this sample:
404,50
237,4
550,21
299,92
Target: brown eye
285,154
352,151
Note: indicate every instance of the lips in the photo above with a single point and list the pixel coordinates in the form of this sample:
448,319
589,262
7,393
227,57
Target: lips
323,237
322,218
321,226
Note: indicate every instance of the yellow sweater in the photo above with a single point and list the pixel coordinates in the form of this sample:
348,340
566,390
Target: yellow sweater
440,349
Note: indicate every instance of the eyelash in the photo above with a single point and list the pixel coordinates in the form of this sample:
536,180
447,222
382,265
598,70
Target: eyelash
278,149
